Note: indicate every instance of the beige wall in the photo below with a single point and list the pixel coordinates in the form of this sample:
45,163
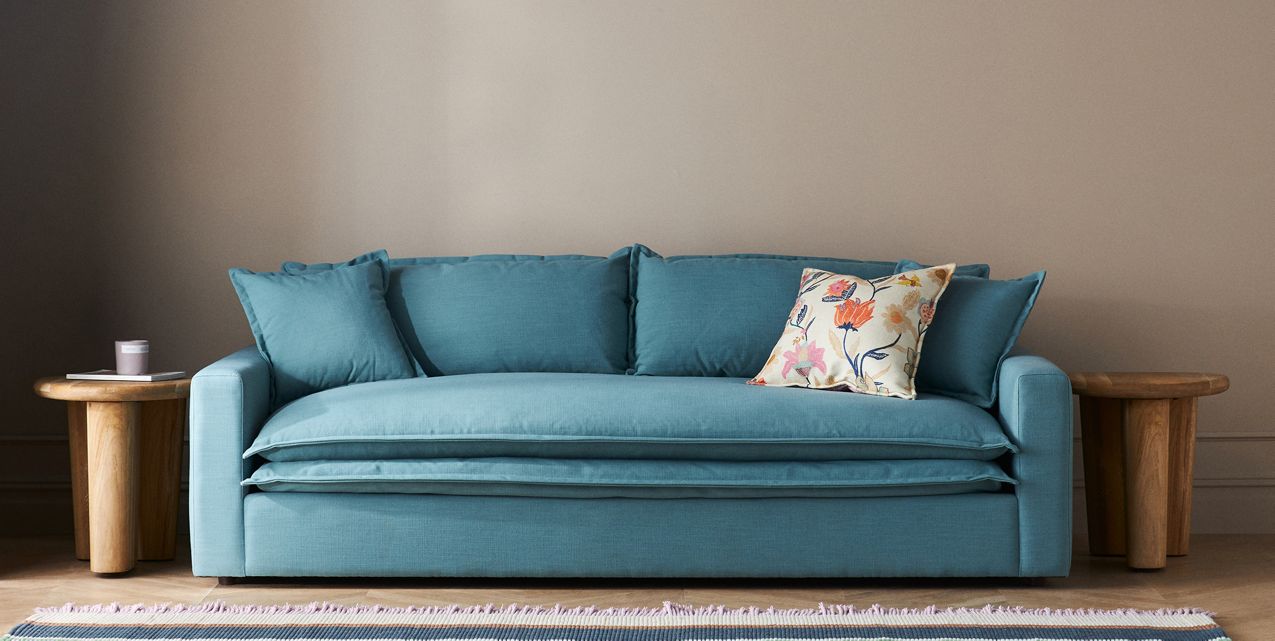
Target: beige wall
1128,148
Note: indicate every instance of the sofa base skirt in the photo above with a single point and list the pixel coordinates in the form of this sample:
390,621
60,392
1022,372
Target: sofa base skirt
375,535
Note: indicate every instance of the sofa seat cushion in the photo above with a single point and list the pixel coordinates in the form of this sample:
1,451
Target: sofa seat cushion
559,415
613,478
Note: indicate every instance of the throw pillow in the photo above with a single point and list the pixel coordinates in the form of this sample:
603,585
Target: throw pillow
297,267
324,328
845,332
979,325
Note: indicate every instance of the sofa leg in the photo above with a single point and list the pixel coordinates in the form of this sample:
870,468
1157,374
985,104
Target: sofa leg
229,580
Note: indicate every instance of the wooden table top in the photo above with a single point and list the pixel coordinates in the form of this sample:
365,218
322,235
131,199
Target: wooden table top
1148,384
58,387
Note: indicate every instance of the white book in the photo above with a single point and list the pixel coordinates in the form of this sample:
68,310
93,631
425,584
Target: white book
110,375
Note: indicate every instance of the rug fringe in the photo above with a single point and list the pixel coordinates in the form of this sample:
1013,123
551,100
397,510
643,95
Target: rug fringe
669,608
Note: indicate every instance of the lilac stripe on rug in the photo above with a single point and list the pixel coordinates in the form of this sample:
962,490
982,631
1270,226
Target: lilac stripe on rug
672,622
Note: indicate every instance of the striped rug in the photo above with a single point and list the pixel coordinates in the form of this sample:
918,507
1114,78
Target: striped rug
323,622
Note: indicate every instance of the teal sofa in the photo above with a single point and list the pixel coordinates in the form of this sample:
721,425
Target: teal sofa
584,416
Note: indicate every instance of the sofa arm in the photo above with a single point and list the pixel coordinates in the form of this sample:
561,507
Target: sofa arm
1035,409
229,401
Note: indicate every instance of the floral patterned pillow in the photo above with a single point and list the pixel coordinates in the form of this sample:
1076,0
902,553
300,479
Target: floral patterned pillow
857,335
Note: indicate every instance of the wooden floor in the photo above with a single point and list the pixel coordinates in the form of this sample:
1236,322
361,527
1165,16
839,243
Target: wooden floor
1233,575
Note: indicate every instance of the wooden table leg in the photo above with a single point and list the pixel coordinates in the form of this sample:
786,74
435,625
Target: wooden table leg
77,439
113,471
162,427
1146,432
1102,439
1181,473
1103,444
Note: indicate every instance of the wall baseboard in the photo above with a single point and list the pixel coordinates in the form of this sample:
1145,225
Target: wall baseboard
1229,509
38,509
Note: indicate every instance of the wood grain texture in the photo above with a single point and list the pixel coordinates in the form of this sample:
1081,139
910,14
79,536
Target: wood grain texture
1146,449
1157,432
113,472
1182,418
1147,384
58,387
77,442
162,428
125,442
1102,439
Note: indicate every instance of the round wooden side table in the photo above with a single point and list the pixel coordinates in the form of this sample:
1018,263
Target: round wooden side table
126,450
1138,436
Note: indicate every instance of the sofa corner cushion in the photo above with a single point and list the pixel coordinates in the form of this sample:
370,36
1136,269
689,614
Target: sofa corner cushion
719,315
512,313
975,328
322,329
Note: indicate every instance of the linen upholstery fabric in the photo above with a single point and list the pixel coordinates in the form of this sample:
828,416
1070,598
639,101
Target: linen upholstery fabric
229,401
1035,408
592,479
849,333
510,313
323,329
296,534
301,534
295,267
974,330
616,432
557,415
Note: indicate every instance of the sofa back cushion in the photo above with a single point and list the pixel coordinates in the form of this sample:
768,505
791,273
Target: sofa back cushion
324,328
719,315
511,313
977,324
972,270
